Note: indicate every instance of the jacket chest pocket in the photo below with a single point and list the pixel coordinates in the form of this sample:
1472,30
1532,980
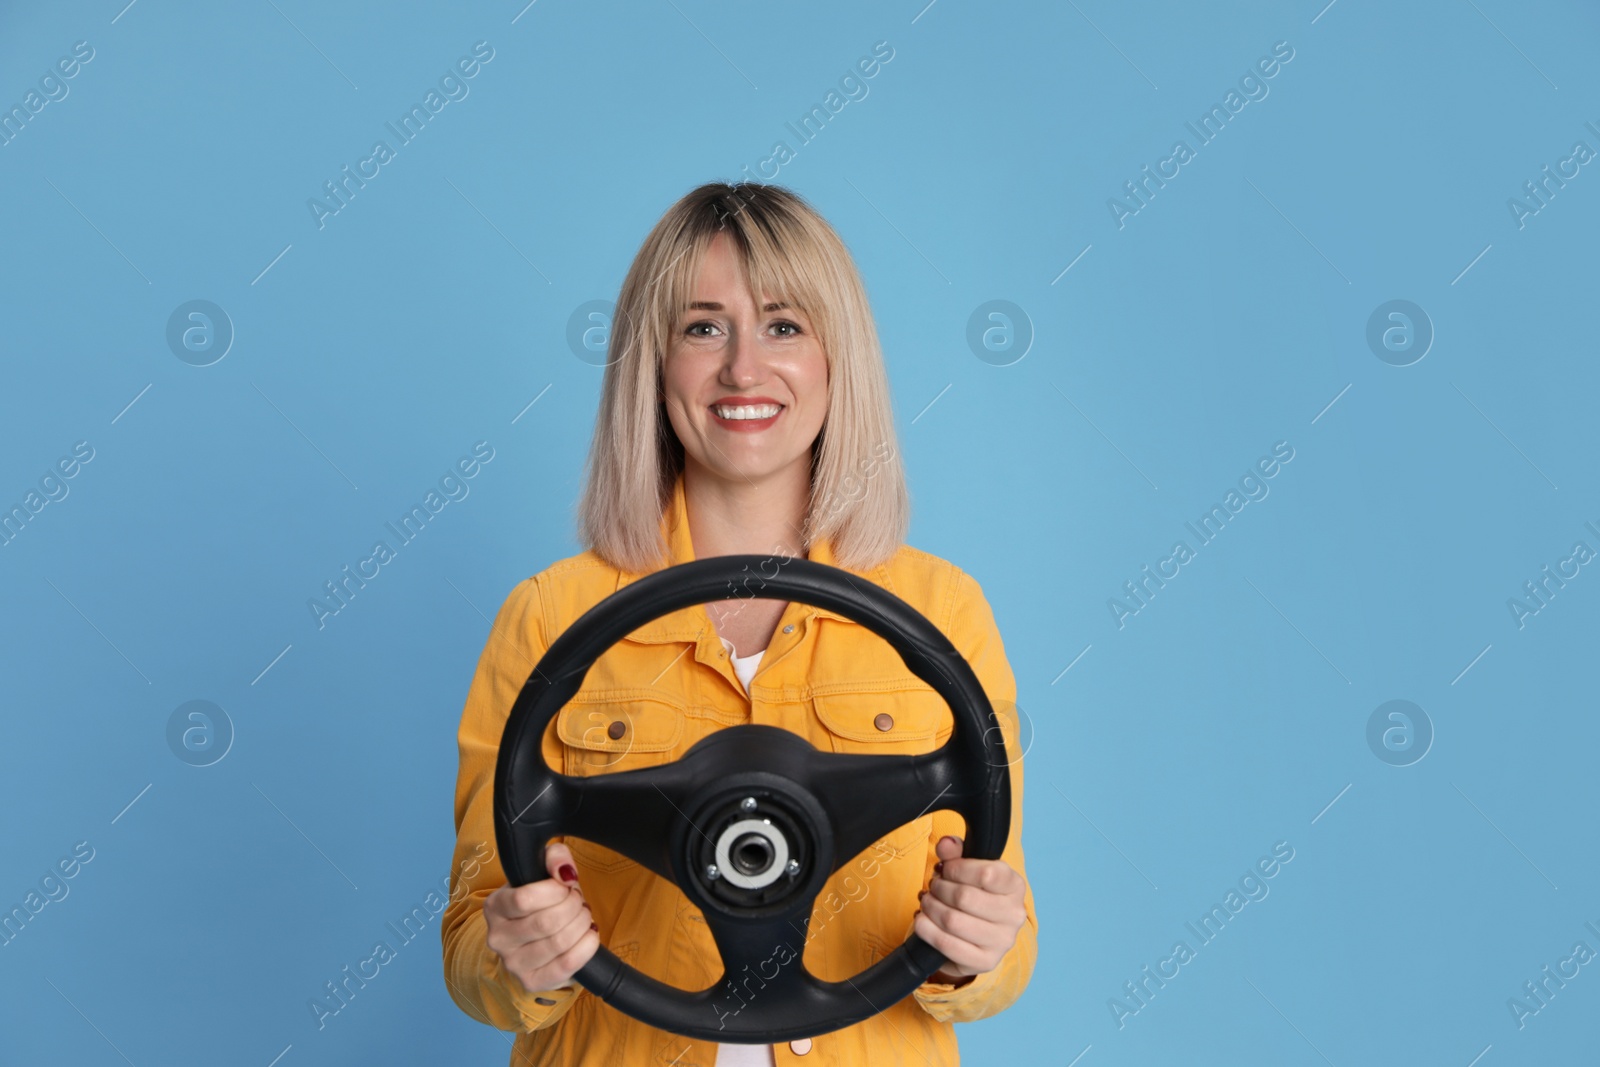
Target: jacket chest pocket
618,731
886,721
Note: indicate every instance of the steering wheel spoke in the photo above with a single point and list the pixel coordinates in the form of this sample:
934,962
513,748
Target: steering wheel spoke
633,812
764,951
867,797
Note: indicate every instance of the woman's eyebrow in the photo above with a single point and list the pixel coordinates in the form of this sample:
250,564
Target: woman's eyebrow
712,305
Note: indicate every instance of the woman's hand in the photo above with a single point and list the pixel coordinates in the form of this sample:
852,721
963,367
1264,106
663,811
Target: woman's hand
543,931
971,912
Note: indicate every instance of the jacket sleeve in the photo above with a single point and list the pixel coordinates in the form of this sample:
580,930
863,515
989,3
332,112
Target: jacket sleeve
973,631
478,981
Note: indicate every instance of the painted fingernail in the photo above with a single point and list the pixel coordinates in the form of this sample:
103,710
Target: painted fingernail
594,926
922,894
569,873
938,868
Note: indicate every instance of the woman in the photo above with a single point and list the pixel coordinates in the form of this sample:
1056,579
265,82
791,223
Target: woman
730,426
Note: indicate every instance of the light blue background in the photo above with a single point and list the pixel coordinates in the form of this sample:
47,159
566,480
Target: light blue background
1223,317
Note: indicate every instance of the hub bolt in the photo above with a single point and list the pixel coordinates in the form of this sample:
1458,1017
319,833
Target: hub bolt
747,804
793,868
712,874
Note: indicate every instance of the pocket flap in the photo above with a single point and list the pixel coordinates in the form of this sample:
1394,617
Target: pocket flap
914,714
622,720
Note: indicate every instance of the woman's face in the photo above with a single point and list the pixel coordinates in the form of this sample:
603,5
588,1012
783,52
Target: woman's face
746,386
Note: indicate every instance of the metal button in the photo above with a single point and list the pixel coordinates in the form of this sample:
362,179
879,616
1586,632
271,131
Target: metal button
618,728
789,629
800,1046
884,721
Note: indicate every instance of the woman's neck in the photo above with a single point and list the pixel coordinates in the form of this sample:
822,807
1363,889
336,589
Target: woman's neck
729,517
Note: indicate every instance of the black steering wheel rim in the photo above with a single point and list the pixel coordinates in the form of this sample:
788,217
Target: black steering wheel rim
768,772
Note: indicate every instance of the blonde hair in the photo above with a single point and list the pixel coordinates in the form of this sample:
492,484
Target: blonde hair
786,251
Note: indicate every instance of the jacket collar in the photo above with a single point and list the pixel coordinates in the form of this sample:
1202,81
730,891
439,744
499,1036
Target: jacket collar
687,624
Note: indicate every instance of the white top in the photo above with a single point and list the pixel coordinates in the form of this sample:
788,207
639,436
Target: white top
744,667
744,1055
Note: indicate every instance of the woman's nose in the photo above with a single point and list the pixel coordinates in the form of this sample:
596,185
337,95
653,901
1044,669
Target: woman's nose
742,362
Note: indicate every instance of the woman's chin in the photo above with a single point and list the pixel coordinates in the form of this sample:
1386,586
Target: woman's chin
747,466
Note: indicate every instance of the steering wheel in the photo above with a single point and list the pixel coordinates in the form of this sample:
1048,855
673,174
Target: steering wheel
752,820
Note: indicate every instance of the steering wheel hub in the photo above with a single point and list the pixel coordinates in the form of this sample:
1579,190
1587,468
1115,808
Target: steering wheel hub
753,859
743,855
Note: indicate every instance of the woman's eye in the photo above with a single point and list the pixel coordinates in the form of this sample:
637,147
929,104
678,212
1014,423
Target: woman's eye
710,329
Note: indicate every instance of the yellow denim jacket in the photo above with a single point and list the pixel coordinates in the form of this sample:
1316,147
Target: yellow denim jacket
645,701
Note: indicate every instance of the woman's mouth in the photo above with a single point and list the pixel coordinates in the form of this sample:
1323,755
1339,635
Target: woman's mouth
745,418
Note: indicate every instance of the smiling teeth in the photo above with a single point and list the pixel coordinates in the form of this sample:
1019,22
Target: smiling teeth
754,411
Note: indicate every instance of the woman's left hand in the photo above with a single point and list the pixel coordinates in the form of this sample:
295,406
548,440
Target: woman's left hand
971,912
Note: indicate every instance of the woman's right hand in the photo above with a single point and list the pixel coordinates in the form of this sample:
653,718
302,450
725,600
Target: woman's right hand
543,931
